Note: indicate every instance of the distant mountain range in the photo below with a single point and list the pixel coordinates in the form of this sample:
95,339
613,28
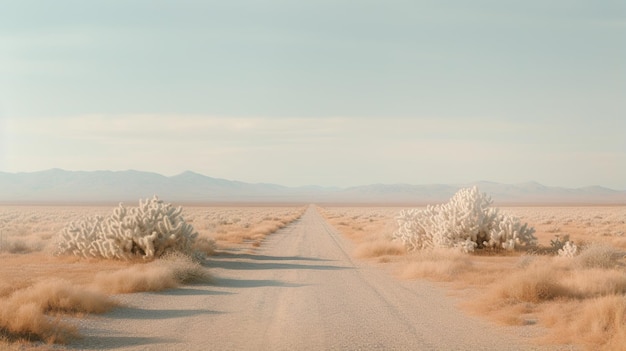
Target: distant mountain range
60,186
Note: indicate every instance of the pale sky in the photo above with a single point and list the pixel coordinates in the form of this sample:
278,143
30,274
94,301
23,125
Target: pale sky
332,93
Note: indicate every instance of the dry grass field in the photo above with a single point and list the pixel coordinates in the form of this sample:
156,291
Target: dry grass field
580,300
38,288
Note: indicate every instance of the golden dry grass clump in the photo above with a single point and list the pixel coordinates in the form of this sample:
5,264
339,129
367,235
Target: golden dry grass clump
169,272
25,313
28,322
440,264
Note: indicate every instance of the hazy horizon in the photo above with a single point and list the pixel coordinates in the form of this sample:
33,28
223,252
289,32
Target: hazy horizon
324,93
392,184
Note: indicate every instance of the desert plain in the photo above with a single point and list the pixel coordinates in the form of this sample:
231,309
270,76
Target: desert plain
315,277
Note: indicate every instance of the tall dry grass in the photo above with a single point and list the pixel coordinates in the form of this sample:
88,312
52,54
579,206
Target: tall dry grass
224,227
167,273
62,296
28,312
562,294
28,322
596,323
442,265
25,313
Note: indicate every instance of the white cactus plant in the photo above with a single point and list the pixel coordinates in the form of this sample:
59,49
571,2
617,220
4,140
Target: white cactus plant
569,249
466,222
147,231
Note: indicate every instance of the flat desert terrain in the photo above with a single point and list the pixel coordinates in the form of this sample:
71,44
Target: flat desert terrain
316,278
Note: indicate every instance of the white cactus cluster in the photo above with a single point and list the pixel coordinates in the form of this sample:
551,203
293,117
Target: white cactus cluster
147,231
569,250
466,222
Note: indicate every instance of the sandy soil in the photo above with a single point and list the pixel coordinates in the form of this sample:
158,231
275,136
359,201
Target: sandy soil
299,291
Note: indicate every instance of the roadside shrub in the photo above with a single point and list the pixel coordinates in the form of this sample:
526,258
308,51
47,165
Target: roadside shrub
24,313
62,296
438,264
599,255
535,283
169,272
378,248
466,222
557,243
148,231
28,322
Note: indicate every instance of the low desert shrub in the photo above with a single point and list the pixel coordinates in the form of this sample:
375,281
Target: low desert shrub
32,312
603,322
62,296
23,314
167,273
535,284
148,231
438,264
598,255
22,246
585,283
595,324
558,242
569,249
204,246
379,248
28,322
185,270
16,246
136,278
466,222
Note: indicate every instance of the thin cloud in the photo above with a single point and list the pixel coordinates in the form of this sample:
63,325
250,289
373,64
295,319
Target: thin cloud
183,128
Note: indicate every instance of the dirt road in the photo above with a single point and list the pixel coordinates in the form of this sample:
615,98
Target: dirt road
300,291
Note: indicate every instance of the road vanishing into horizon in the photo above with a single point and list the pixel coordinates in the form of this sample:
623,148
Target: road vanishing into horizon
300,290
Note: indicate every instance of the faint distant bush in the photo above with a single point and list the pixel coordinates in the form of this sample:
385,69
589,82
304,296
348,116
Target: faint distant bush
150,230
16,246
599,255
466,222
558,242
563,246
